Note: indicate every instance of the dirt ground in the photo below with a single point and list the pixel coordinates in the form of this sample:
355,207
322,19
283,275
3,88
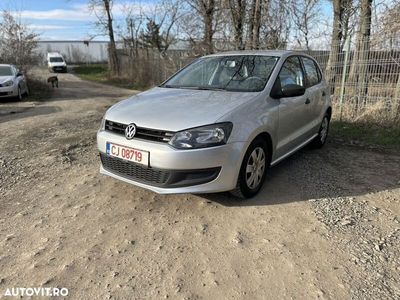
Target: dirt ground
325,225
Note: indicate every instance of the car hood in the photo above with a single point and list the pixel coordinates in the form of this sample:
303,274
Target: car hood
57,64
176,109
5,78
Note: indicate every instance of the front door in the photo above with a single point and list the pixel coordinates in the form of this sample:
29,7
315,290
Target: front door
293,111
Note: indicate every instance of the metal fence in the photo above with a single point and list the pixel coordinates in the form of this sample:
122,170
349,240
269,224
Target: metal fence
364,86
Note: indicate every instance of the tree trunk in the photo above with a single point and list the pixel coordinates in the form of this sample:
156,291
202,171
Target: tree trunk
238,13
208,17
332,69
359,72
255,24
112,49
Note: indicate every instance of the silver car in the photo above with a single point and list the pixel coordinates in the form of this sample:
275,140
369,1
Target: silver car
217,124
12,82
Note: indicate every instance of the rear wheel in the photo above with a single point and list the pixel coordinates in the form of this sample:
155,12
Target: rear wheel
320,139
253,170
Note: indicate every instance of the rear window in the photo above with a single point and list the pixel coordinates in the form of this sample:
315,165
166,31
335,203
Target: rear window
56,59
5,71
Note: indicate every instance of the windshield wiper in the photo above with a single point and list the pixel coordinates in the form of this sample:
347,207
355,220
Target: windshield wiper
202,88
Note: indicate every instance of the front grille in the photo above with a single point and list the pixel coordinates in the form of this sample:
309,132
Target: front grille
158,177
141,133
134,171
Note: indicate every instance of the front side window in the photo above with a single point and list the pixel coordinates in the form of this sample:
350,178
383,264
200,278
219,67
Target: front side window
312,73
244,73
291,72
5,71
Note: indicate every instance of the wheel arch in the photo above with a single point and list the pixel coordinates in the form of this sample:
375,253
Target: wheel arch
329,112
267,137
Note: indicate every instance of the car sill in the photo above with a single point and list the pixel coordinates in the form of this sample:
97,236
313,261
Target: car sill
293,151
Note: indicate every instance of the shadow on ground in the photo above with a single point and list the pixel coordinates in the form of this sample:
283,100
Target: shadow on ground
17,112
334,171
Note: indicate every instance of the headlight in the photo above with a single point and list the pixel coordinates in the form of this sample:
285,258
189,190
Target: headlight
201,137
8,83
103,124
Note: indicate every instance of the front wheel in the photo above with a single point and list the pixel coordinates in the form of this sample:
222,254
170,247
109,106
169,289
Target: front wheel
320,139
253,170
19,96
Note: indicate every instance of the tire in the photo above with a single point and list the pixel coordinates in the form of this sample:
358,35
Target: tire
258,156
19,96
323,131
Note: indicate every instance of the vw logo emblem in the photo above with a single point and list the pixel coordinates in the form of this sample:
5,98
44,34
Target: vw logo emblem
130,131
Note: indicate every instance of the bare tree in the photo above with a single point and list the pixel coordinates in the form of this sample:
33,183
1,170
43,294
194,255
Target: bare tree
17,42
255,23
103,11
238,13
161,23
359,68
206,9
342,9
305,15
134,20
275,24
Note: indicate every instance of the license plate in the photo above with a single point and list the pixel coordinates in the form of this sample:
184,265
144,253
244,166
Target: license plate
128,153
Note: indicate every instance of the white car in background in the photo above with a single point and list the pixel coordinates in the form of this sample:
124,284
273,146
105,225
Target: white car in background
56,62
12,82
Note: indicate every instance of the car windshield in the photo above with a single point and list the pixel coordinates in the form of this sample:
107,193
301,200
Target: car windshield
242,73
56,59
5,71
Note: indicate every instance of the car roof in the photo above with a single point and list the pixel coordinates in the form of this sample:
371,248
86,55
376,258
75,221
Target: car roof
5,65
56,54
277,53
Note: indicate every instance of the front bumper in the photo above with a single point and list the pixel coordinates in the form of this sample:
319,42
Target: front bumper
206,170
8,91
59,69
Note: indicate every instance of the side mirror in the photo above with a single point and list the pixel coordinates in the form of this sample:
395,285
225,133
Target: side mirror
293,90
19,74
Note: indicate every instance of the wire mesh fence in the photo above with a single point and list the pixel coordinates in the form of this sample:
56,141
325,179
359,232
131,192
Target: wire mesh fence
364,85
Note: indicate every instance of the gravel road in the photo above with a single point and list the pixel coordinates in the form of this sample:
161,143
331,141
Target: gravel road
325,225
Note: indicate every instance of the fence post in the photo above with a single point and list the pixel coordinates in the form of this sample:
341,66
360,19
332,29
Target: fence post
346,58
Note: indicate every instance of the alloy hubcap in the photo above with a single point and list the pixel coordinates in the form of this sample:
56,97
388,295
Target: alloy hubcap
255,168
324,129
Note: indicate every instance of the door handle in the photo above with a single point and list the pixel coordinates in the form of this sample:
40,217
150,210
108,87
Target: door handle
308,101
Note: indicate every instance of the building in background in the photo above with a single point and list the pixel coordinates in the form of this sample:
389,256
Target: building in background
76,52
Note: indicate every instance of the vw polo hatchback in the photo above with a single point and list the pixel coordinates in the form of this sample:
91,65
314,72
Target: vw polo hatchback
217,124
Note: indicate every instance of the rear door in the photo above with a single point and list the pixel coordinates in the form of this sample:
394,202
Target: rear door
293,111
316,92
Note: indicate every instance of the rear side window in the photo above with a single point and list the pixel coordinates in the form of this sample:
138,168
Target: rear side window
291,72
312,72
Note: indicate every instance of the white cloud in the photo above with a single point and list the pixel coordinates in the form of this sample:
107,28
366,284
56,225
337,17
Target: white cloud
46,27
55,14
80,12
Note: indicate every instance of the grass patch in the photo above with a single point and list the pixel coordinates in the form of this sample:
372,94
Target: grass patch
99,73
366,134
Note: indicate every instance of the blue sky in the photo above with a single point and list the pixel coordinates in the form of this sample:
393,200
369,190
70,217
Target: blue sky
55,19
70,19
59,19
